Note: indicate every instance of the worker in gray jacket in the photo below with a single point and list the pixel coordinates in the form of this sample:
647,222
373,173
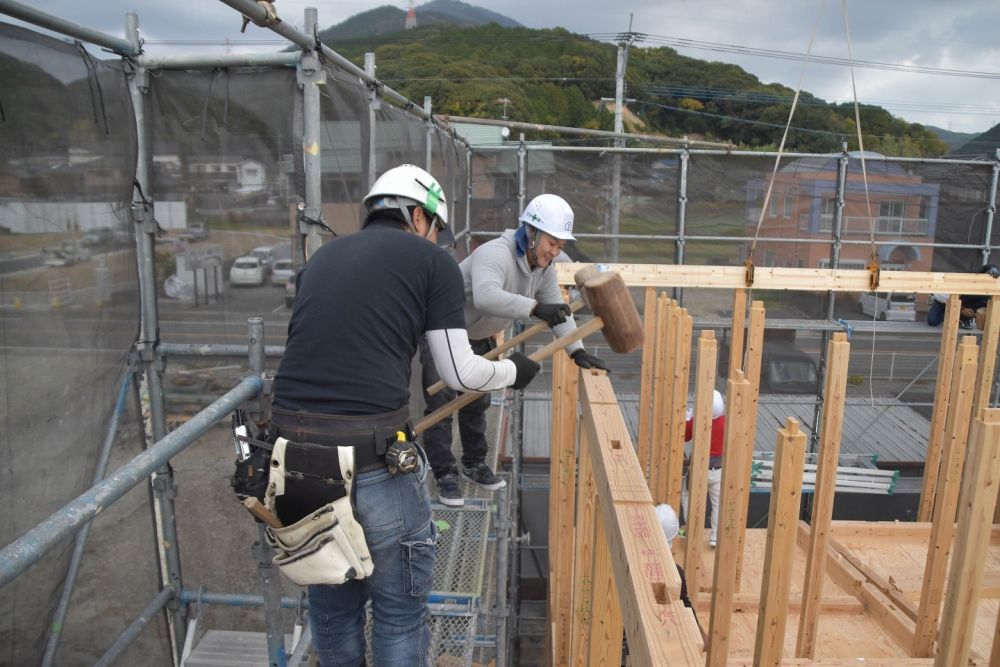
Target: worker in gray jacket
506,279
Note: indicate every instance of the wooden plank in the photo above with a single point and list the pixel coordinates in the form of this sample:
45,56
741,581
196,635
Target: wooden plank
995,652
747,603
737,333
675,437
662,436
752,363
946,498
831,430
975,517
733,513
788,278
782,519
846,662
646,577
987,356
658,455
701,444
606,627
583,560
646,386
891,529
895,595
939,414
562,483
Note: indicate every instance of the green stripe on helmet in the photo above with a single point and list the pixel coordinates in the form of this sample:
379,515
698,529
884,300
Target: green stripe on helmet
434,196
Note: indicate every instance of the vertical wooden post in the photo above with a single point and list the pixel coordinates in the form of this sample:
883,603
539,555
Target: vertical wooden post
606,628
646,388
657,455
583,561
946,498
975,521
838,353
987,356
751,367
675,437
782,526
939,415
701,443
732,515
737,334
562,487
995,652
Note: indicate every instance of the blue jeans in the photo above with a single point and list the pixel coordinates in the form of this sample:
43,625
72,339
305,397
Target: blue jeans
395,513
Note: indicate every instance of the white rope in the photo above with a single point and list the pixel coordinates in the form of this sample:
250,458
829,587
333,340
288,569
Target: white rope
788,124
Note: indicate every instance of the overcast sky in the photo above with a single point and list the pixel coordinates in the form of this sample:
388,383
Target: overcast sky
959,35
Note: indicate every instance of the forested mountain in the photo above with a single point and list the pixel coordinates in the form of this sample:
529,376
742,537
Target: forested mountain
986,143
556,77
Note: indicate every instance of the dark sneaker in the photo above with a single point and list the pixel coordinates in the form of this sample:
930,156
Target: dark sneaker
448,492
483,476
965,324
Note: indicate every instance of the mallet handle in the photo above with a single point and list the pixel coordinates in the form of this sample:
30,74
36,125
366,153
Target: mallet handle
541,354
500,349
258,510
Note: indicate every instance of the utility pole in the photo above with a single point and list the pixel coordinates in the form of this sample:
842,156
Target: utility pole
624,42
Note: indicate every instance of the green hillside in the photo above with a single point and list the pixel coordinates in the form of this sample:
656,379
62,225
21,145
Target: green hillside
553,76
986,143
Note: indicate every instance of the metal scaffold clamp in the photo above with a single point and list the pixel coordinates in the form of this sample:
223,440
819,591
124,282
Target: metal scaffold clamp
270,16
748,273
874,273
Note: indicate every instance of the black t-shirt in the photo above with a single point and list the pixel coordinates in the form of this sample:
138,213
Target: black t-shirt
361,306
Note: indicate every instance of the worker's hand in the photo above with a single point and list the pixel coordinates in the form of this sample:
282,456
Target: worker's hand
526,369
993,271
552,313
585,359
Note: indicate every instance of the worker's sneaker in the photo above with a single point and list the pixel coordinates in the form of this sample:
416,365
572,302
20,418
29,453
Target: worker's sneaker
483,476
448,492
711,541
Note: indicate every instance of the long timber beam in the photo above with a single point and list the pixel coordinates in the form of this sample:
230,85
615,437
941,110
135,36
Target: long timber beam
785,278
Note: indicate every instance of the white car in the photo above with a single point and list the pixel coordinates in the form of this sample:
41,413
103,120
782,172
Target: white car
247,271
900,307
282,272
265,254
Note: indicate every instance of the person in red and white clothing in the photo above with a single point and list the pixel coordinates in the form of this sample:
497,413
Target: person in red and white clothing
714,461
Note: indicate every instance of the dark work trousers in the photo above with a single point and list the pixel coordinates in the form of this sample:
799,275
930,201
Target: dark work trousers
471,418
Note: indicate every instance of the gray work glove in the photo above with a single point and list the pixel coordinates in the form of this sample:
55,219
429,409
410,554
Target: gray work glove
552,313
585,359
527,368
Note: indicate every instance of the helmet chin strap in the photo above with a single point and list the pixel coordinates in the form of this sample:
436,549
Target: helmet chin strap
532,240
413,226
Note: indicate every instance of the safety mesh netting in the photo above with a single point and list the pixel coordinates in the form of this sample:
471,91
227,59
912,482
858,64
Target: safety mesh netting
69,315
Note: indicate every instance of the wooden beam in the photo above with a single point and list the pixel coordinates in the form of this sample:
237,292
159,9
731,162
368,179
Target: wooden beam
975,517
838,354
583,560
849,662
661,399
987,356
675,437
939,414
562,485
701,443
782,519
658,628
737,333
891,529
896,596
606,629
794,279
733,513
646,386
995,652
751,366
946,498
665,428
748,603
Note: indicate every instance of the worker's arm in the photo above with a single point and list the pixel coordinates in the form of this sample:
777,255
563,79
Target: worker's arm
548,292
463,370
488,269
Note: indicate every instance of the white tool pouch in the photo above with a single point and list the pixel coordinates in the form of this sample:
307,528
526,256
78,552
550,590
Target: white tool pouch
328,545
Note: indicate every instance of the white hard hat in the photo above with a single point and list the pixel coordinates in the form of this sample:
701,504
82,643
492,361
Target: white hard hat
409,185
668,522
718,405
550,214
940,297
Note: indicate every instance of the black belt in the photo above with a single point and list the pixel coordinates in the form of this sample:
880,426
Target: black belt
714,462
370,435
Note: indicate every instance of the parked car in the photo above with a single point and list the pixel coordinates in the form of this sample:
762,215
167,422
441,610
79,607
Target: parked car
901,307
282,272
247,270
196,231
265,254
100,236
290,288
68,253
784,368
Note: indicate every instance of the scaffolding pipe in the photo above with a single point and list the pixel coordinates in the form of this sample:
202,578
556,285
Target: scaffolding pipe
280,59
429,137
197,350
28,549
502,611
132,631
522,176
991,208
62,608
468,200
37,17
310,76
374,104
188,596
682,191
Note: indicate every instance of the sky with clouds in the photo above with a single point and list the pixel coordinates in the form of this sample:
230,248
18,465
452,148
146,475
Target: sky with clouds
928,34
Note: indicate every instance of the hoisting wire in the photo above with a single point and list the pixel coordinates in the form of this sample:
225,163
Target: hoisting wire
749,277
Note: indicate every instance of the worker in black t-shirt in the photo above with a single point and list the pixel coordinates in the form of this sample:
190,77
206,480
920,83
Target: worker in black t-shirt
362,304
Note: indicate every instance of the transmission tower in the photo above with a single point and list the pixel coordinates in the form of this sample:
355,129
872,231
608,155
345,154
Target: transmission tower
411,17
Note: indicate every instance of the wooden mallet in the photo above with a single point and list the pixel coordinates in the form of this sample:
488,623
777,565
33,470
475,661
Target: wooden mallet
580,276
615,315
